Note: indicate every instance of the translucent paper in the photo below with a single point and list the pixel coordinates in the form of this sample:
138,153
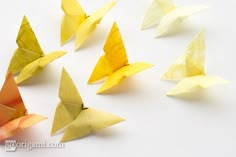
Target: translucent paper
189,69
167,16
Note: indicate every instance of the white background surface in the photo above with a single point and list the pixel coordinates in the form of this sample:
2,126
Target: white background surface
202,125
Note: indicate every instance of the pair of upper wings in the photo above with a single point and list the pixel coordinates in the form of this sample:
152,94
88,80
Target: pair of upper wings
71,111
29,58
167,16
13,114
76,22
114,63
190,69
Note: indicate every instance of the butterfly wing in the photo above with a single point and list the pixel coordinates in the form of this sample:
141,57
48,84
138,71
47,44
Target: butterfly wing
88,26
37,65
87,121
191,63
13,127
7,114
172,20
28,48
71,103
101,70
10,99
195,56
28,71
115,50
190,84
50,58
126,71
115,56
74,16
156,11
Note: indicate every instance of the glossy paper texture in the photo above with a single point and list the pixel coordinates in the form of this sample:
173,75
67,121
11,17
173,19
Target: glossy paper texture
114,64
189,69
167,16
29,58
71,114
76,22
13,114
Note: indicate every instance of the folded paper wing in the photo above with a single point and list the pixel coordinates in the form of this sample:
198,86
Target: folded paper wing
13,114
87,121
86,28
191,63
127,71
16,125
29,58
191,84
28,48
71,103
114,64
37,65
155,12
76,22
167,16
74,16
71,114
172,20
189,69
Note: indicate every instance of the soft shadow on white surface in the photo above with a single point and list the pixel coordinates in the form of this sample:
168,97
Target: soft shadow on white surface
127,85
26,135
96,37
44,77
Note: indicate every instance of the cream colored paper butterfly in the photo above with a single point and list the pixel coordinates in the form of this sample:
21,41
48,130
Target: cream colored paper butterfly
189,69
167,16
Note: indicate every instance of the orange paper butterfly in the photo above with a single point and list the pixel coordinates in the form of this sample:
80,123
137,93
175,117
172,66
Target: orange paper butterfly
13,114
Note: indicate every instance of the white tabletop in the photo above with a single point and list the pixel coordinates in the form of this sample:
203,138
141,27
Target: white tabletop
203,125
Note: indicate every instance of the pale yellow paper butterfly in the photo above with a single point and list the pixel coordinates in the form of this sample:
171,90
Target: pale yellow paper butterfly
114,63
29,58
167,16
76,22
71,114
189,69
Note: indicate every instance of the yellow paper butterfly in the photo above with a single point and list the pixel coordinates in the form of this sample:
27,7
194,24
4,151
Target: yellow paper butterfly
76,22
189,69
71,113
114,63
29,58
167,16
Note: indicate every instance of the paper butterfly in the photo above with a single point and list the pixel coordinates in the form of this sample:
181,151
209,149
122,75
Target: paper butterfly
114,63
13,114
189,69
76,22
167,16
71,113
29,58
